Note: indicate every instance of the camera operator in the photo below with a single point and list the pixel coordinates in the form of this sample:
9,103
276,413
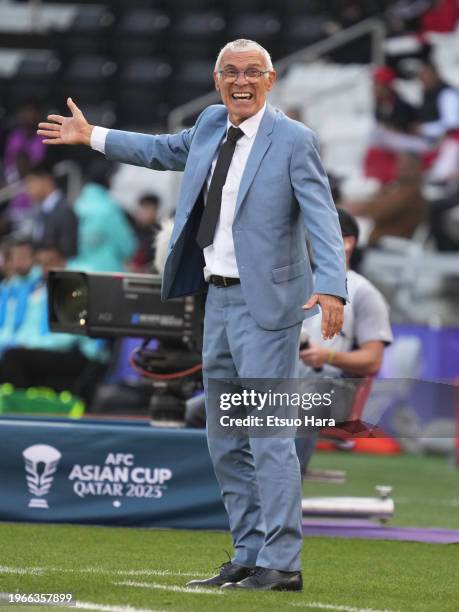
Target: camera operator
358,349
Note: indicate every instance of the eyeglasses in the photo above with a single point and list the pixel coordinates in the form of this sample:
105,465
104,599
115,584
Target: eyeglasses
231,75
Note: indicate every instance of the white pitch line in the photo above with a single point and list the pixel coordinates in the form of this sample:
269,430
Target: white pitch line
147,572
22,570
89,570
324,606
170,587
89,605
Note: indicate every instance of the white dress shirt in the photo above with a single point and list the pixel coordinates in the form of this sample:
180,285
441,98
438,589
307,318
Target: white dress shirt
219,257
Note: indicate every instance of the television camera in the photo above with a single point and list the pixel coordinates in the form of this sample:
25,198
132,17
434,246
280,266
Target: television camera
104,305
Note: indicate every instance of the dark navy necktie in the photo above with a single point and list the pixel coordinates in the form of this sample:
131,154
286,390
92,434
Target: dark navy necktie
211,214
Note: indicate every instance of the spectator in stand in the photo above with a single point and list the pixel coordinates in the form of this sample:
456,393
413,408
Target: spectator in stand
21,278
398,207
45,359
438,119
439,122
395,118
439,111
23,150
145,219
390,109
53,224
106,241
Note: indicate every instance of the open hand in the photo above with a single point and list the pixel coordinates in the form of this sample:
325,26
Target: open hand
66,130
332,313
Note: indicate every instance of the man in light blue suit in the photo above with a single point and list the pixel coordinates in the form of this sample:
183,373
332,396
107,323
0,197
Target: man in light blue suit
252,184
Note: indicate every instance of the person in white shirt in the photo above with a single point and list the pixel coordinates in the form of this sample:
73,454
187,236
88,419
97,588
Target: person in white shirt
357,351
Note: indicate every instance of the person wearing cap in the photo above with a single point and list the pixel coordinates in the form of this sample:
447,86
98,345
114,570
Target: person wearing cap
391,135
390,109
358,349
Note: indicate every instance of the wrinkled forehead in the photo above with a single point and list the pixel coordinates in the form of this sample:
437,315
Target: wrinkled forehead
243,59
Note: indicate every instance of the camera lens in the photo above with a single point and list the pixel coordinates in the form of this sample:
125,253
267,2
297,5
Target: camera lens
70,299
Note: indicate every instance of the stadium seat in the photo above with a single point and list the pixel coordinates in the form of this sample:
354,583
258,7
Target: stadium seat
262,27
192,79
88,78
303,7
181,6
103,113
142,90
299,32
236,7
140,32
35,77
145,71
123,6
198,35
89,31
336,102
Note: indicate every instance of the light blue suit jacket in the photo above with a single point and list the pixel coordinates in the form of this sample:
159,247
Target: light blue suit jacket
284,190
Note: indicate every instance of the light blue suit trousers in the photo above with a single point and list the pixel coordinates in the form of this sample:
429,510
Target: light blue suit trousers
259,477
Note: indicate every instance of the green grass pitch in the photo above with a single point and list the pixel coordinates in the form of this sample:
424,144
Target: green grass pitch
118,569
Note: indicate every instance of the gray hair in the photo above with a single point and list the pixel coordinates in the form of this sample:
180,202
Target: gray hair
243,44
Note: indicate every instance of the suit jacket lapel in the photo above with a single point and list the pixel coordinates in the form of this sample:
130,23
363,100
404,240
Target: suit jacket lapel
260,146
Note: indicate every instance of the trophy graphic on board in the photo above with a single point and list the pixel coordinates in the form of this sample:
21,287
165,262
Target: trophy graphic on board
40,464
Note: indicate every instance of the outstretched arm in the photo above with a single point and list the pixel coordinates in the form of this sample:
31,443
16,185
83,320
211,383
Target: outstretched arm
163,152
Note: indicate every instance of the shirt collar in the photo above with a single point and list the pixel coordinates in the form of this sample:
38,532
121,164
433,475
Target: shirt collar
250,126
49,203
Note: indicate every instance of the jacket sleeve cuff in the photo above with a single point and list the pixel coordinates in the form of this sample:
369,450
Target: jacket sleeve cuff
98,138
338,290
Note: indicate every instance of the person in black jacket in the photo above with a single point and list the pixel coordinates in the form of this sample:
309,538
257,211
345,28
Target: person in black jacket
54,224
390,109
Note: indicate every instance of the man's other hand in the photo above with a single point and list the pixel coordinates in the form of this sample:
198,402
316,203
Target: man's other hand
332,313
72,130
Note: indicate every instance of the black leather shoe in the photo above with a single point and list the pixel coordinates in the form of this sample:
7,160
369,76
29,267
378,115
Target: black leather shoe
229,573
265,579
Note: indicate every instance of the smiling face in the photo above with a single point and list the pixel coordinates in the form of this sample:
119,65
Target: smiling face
241,98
